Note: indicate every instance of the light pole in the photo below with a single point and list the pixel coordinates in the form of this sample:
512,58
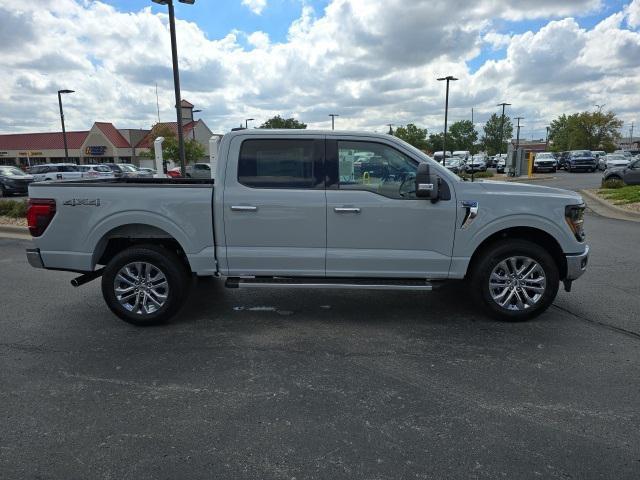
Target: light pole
503,104
518,132
64,132
599,107
547,142
448,79
390,125
333,120
176,77
246,122
193,127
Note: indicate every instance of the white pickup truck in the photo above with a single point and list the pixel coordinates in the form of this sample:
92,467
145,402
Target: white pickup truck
289,209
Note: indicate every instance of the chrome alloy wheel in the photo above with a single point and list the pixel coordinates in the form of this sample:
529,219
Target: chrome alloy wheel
141,288
517,283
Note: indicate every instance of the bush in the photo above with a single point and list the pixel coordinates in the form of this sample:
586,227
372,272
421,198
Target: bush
612,183
13,208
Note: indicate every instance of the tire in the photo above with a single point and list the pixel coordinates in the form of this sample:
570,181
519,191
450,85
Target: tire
155,262
498,255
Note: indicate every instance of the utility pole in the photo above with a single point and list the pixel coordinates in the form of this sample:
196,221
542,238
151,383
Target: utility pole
631,136
518,132
64,132
448,79
333,120
390,125
472,115
503,105
547,142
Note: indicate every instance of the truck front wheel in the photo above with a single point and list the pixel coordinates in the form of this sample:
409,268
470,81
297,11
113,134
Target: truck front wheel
515,280
145,285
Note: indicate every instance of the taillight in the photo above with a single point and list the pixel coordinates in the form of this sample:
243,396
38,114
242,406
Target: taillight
40,212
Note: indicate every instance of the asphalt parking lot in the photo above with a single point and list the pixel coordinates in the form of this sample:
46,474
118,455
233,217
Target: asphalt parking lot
314,384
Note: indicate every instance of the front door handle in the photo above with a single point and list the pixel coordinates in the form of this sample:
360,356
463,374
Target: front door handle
243,208
346,210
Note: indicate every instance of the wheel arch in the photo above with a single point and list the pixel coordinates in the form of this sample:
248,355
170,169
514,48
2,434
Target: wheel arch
532,234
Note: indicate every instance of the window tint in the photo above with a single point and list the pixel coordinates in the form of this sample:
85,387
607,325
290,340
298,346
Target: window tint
376,168
67,168
279,164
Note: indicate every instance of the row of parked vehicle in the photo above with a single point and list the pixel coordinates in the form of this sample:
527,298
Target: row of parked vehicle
583,160
14,181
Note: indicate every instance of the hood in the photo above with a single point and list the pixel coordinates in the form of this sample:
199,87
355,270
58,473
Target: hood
524,189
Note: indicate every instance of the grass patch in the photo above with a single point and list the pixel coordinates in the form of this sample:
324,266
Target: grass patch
623,195
13,208
486,174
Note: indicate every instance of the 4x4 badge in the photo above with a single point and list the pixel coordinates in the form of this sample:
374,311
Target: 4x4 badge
82,201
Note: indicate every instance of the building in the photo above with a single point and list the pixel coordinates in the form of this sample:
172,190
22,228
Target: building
628,143
103,143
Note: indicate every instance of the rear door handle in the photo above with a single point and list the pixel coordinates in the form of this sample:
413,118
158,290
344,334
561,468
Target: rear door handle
346,210
243,208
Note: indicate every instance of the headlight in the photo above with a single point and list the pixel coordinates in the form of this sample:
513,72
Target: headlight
574,215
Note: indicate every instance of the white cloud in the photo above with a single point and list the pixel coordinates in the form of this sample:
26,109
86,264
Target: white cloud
256,6
373,62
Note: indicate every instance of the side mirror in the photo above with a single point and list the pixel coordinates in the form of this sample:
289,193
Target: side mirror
426,183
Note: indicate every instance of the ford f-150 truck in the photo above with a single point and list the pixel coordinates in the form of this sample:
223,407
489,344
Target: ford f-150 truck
288,209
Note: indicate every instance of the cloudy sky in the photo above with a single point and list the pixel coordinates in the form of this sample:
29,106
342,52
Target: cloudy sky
372,62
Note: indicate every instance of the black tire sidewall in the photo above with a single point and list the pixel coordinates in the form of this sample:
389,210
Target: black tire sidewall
162,258
509,248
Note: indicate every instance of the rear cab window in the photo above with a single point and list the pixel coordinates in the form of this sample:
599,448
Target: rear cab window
281,163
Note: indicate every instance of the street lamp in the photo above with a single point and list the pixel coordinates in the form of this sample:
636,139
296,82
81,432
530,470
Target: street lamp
246,122
193,127
518,132
390,125
503,104
333,119
600,107
176,77
64,132
448,79
547,142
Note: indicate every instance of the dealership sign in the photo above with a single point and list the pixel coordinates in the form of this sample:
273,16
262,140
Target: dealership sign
95,150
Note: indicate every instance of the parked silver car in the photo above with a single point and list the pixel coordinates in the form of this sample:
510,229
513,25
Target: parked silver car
198,170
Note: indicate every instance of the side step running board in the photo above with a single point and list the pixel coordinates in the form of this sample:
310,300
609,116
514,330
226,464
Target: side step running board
346,283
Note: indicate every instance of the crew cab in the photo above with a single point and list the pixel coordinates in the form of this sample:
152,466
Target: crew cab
289,209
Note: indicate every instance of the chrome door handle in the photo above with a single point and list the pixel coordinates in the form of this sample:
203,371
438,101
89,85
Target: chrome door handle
346,210
243,208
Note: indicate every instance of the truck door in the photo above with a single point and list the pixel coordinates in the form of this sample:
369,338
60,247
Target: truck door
275,206
376,227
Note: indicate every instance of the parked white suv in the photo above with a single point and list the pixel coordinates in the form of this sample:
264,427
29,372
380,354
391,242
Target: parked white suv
55,171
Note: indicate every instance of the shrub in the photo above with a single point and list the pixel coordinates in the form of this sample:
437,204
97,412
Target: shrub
13,208
486,174
612,183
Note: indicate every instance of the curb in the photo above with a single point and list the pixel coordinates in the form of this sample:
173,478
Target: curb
526,179
604,208
14,231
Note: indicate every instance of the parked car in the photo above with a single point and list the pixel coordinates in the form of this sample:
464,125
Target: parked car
599,154
96,171
48,172
198,170
502,161
438,156
626,153
13,181
456,165
545,162
126,170
614,160
629,175
174,172
564,158
280,216
463,154
476,164
147,170
581,160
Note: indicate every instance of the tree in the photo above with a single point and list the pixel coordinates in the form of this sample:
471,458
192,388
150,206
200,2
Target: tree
462,136
193,150
413,135
585,131
279,122
495,138
434,143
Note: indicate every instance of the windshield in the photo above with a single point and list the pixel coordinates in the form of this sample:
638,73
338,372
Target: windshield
127,168
12,172
616,157
102,168
544,155
581,153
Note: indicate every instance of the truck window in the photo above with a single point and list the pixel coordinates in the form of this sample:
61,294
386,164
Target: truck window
376,168
273,163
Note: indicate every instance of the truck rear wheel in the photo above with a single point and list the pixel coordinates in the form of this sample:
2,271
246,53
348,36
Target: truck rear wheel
515,280
145,285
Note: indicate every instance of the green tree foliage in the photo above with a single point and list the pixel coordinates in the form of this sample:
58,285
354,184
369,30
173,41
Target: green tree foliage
493,136
434,143
279,122
462,136
413,135
193,150
585,131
